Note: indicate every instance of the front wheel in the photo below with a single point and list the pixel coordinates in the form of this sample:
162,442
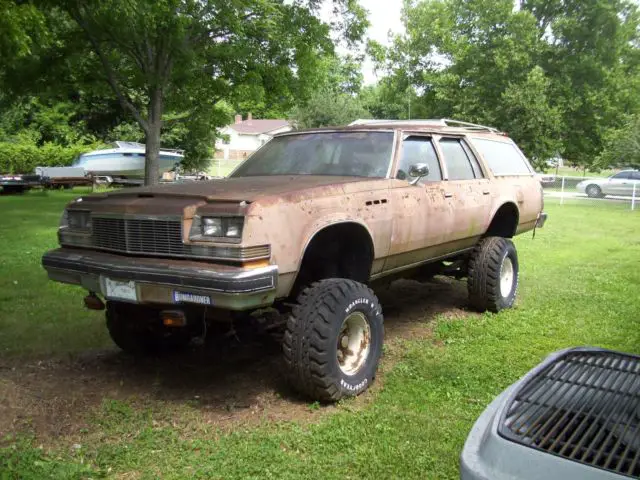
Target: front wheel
333,340
493,275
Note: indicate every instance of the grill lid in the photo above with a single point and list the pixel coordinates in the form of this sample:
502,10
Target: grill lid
583,405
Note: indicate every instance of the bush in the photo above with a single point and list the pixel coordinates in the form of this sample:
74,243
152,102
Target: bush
25,157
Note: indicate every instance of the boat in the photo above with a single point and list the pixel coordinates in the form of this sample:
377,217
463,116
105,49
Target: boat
125,160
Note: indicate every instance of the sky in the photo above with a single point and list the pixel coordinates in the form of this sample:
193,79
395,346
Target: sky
384,16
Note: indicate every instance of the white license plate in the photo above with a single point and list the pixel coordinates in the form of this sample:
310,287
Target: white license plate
120,290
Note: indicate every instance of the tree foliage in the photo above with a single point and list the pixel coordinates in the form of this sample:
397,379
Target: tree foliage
174,61
622,146
555,74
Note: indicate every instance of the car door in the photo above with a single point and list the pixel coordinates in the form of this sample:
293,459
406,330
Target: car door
619,184
635,184
467,189
422,216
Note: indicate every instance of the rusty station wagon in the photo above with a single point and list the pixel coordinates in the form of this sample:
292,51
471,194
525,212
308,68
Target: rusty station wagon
303,228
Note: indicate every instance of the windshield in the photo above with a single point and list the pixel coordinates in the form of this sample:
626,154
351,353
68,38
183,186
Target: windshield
358,154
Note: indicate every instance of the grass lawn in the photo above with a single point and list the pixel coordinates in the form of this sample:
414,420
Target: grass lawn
579,286
572,172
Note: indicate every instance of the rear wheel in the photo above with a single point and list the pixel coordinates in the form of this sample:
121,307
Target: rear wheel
493,275
333,340
594,191
138,330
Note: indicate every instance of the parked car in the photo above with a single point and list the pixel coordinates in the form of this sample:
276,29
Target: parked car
546,179
302,228
574,416
621,183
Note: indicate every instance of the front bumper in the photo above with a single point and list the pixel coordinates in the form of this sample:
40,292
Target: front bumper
542,218
156,279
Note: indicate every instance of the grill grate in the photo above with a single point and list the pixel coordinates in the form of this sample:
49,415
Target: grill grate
162,238
151,237
584,406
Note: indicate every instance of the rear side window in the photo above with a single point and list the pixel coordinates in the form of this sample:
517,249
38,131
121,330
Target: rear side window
636,175
458,163
502,158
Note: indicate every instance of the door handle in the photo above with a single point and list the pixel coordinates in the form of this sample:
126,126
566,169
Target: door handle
448,194
486,192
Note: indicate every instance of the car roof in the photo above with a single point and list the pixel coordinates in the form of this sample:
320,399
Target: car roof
420,126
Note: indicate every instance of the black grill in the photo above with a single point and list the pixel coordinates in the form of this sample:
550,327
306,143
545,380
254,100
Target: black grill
583,405
150,237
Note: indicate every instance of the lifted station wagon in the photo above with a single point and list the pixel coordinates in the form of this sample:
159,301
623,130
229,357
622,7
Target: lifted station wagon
302,229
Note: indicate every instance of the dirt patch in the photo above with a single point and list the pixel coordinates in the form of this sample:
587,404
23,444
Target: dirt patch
235,384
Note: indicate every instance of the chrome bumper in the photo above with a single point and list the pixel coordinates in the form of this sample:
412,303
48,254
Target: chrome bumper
156,279
542,218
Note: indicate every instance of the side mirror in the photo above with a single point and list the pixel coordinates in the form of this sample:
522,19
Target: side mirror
417,171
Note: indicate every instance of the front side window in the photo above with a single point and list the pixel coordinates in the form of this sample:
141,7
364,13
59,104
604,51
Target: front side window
456,159
419,150
358,154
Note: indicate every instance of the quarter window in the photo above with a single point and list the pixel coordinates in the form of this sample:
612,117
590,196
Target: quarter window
419,150
502,158
458,163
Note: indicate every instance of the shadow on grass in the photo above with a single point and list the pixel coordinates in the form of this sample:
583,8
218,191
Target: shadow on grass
229,381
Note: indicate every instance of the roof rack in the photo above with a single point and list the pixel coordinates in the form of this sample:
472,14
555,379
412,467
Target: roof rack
442,122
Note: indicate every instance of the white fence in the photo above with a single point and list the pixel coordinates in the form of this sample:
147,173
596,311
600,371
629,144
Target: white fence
592,189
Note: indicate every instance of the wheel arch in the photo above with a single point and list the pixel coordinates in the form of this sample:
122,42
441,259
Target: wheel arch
355,234
504,222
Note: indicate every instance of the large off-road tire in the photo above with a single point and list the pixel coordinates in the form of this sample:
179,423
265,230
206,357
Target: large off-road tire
493,275
333,340
138,330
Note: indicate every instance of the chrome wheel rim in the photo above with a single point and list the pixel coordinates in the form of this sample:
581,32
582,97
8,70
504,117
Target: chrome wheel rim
354,343
506,277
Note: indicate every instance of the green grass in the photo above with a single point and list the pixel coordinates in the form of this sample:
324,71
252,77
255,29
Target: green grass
39,317
579,286
572,172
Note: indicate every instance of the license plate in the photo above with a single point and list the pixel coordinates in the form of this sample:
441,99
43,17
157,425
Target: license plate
120,290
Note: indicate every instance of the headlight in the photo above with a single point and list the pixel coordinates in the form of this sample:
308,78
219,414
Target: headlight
211,228
76,220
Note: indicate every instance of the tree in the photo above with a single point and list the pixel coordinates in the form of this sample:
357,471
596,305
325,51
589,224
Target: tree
589,50
554,74
185,56
335,100
622,146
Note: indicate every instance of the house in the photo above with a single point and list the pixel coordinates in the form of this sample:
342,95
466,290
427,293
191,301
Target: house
245,136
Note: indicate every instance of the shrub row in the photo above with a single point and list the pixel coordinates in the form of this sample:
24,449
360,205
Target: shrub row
24,157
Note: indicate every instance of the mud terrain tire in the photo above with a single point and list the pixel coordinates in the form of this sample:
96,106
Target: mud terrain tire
333,340
138,330
493,275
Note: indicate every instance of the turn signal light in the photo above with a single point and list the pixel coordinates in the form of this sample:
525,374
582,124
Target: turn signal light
173,318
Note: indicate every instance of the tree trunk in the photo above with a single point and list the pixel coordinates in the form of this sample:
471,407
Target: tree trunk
152,139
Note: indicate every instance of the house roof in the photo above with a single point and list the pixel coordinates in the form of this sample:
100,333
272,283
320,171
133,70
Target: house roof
256,127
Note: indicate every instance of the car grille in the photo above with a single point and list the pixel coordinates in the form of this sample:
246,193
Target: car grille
583,406
162,238
151,237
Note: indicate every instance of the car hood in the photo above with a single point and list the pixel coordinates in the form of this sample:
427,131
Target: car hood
229,194
246,189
